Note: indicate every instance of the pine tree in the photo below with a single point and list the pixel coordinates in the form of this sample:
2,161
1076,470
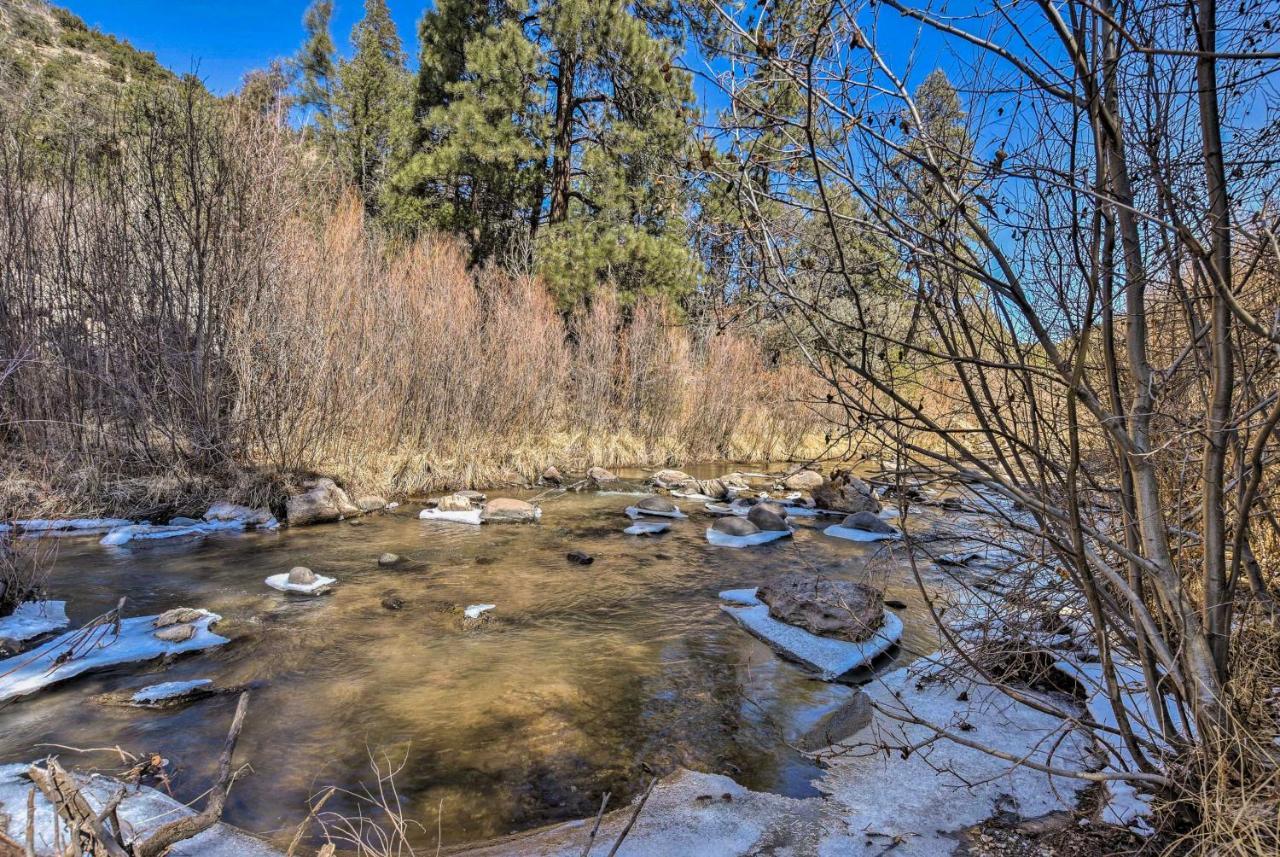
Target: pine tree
559,126
316,65
373,90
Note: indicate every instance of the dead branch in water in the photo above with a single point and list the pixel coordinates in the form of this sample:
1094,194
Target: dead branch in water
90,832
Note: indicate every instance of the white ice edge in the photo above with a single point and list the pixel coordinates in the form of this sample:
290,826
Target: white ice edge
850,534
77,526
30,671
647,528
635,512
724,540
165,690
33,618
461,516
135,532
320,586
473,611
829,657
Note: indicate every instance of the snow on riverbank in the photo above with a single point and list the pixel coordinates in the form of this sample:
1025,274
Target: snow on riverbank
30,619
142,810
874,800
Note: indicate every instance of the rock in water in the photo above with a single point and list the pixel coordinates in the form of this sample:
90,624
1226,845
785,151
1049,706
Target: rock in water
322,502
655,504
868,522
580,557
766,518
713,488
600,476
388,559
300,575
392,602
552,476
176,633
670,479
371,503
735,526
829,608
178,616
507,510
226,511
453,503
845,493
803,480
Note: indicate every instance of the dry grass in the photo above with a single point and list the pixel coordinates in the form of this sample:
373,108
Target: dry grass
196,310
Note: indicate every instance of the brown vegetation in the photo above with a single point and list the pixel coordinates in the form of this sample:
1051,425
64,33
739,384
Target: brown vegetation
190,306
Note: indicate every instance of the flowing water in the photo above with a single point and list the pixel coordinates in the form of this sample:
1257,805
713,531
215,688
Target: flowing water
586,678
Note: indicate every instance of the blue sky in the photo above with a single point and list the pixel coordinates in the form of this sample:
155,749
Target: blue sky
221,41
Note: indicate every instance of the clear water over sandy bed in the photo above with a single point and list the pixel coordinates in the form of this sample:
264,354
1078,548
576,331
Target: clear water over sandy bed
585,674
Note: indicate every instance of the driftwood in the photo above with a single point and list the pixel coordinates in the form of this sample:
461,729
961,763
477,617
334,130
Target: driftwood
100,834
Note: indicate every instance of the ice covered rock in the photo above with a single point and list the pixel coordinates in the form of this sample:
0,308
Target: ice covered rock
76,652
473,611
153,532
654,505
841,609
172,692
225,511
301,580
829,657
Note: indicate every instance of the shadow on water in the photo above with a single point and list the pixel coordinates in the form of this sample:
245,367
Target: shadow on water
586,676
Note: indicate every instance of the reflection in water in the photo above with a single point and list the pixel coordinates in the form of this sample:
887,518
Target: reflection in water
585,673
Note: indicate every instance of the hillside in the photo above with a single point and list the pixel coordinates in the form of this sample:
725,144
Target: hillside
49,53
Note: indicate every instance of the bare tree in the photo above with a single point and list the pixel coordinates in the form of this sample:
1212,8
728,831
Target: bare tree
1079,315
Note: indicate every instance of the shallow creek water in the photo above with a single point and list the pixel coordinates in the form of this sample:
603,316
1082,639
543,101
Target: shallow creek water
585,676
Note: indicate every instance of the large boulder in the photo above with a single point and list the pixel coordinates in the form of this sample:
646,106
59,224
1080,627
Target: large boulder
868,522
323,502
600,476
508,510
655,503
830,608
846,493
765,516
674,480
735,526
803,480
226,511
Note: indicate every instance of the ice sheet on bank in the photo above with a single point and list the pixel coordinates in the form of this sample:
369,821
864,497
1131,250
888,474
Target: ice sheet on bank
319,586
1125,805
147,532
635,513
44,665
167,690
474,611
142,810
831,658
33,618
850,534
459,516
647,528
725,540
64,526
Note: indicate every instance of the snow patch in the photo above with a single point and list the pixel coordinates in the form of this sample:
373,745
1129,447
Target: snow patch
474,611
647,528
168,690
33,618
634,513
